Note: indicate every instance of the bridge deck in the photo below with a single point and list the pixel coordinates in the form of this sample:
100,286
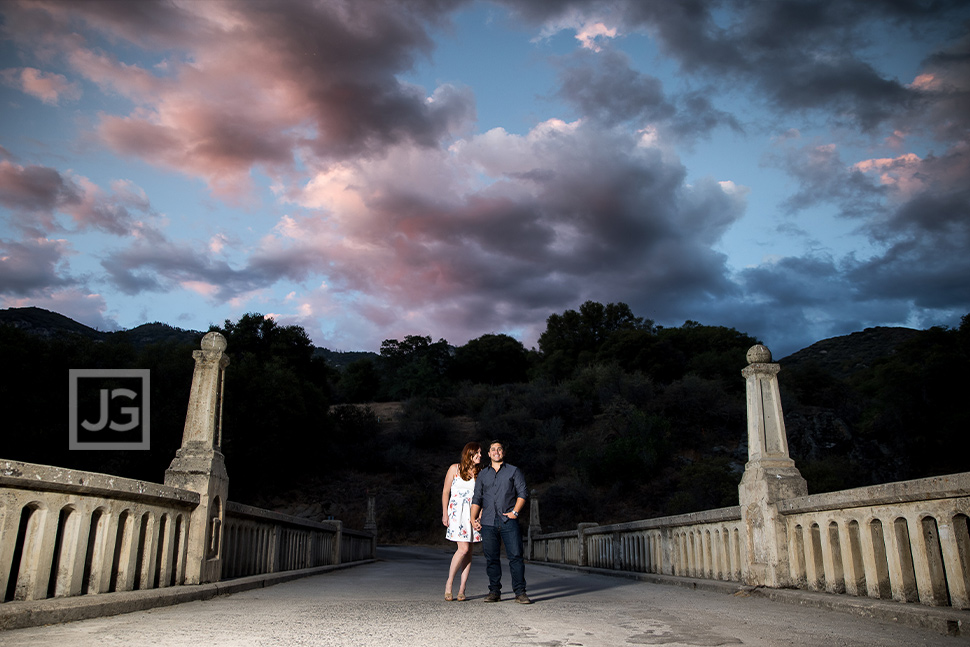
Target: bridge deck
399,601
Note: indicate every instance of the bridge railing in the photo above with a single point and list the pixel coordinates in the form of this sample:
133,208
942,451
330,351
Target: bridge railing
357,545
705,544
260,541
907,541
66,532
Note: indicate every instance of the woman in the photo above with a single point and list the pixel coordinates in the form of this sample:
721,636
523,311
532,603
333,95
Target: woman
456,503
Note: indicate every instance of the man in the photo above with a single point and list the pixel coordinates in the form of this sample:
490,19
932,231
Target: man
499,497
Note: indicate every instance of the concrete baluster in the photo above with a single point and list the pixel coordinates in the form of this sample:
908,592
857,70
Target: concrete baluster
74,548
104,550
902,577
955,545
853,570
928,563
166,547
38,552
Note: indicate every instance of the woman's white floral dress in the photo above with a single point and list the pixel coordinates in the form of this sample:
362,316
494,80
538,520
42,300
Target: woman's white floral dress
459,511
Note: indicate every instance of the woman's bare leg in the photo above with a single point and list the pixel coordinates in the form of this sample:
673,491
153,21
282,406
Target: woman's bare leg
458,564
466,569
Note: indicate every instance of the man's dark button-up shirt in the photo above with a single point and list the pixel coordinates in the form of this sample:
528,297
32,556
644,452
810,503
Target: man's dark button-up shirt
496,492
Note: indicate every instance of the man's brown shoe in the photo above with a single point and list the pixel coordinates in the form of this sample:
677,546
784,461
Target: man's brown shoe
522,598
493,597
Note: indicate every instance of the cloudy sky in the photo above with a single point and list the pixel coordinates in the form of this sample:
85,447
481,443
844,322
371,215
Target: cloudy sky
375,169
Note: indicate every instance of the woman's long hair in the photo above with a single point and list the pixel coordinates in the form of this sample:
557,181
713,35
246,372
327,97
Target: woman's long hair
467,469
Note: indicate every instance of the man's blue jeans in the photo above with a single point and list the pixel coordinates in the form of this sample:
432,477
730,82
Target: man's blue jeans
508,533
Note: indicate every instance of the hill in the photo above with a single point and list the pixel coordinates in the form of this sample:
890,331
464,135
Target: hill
51,325
47,324
340,359
848,354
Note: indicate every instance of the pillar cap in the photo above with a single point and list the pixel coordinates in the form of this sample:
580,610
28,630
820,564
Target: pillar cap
758,354
214,341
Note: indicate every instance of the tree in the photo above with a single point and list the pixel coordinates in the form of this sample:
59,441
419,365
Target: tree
415,367
359,382
573,338
491,359
276,424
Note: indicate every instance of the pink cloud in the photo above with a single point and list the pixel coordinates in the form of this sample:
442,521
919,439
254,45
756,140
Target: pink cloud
200,287
909,175
472,236
589,34
901,173
37,195
46,86
247,85
926,82
128,80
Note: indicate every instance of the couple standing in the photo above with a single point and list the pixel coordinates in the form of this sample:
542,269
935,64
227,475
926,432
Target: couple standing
483,504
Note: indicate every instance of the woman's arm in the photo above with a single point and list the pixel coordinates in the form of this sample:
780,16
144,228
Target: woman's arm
446,492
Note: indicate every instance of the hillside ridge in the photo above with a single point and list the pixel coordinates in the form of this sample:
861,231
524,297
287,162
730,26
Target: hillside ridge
842,355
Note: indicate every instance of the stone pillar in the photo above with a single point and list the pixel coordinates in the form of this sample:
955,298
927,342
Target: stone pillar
583,557
534,527
770,475
199,465
370,525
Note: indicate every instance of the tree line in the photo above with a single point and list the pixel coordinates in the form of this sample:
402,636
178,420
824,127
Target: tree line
612,417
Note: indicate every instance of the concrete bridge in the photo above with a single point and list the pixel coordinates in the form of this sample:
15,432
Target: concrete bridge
397,600
78,546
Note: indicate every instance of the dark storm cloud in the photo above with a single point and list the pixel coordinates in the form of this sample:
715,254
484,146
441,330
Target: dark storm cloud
604,87
811,57
160,265
34,189
797,281
915,212
799,55
35,195
945,91
163,265
823,177
583,212
31,266
926,258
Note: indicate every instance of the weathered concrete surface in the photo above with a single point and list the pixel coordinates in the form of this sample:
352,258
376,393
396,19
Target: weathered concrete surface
49,611
398,601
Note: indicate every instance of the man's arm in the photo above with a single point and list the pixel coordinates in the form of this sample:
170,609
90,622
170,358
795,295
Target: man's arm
521,494
476,510
518,484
